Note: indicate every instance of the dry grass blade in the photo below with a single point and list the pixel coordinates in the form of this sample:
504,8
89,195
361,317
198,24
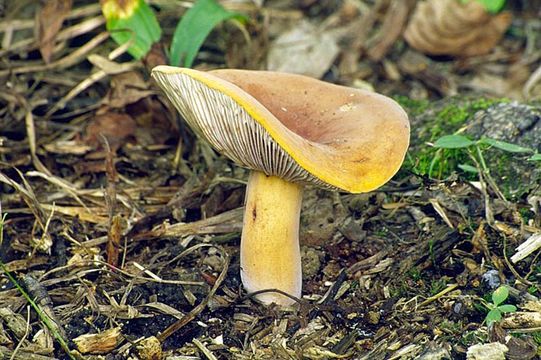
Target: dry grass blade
31,132
105,69
9,354
28,196
41,315
73,58
230,221
63,184
91,215
201,306
208,354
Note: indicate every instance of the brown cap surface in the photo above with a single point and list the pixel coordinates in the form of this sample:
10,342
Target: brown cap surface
295,127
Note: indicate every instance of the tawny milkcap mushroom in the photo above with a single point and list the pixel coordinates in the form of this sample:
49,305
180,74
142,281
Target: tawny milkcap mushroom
290,130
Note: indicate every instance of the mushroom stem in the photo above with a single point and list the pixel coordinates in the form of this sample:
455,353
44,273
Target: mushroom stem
270,252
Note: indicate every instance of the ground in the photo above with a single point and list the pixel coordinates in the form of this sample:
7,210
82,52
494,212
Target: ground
123,228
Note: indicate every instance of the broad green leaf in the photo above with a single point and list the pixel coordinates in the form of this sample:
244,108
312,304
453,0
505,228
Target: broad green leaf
132,21
492,6
499,295
507,308
493,316
194,27
468,168
453,142
505,146
535,157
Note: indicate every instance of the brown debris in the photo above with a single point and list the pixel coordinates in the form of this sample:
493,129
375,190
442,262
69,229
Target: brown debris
385,274
450,27
149,349
391,29
9,354
117,128
15,322
126,88
50,21
101,343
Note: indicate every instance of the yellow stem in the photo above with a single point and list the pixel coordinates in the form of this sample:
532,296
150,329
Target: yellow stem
270,252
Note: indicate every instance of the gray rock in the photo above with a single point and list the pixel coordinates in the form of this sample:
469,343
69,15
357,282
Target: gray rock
511,122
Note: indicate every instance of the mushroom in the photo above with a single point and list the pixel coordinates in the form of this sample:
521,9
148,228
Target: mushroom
289,130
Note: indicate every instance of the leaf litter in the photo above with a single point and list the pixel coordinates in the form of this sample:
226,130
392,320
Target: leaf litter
125,228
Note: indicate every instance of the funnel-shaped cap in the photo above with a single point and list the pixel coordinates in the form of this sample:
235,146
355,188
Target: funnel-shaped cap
291,126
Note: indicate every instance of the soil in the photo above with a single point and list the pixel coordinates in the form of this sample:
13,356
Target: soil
122,228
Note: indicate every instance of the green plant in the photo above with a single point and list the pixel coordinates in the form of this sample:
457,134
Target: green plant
133,22
437,121
53,328
414,273
194,27
492,6
475,150
437,285
496,307
537,337
535,157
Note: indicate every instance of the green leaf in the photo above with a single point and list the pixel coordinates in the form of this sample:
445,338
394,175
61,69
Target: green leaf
499,295
468,168
492,6
507,308
453,142
535,157
505,146
194,27
493,316
132,21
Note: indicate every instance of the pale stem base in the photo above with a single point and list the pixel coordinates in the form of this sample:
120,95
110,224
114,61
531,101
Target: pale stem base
270,252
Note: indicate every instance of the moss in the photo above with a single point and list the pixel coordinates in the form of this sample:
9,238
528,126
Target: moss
437,285
442,120
526,214
474,337
537,338
413,107
454,115
414,273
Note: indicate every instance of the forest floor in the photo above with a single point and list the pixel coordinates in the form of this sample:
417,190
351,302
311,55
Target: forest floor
124,227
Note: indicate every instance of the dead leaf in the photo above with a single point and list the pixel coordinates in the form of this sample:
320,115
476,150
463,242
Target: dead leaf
508,84
126,88
117,129
50,20
450,27
391,29
305,49
154,124
156,56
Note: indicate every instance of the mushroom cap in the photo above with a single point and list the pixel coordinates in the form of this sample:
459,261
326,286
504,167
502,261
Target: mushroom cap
292,126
